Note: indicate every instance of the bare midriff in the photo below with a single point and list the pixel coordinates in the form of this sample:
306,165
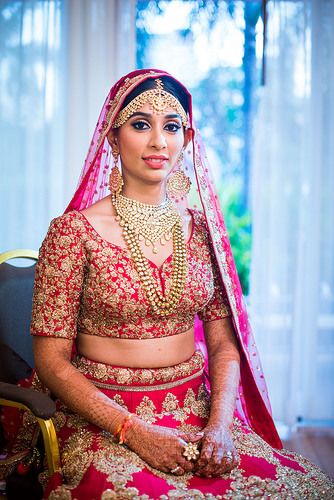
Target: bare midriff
138,353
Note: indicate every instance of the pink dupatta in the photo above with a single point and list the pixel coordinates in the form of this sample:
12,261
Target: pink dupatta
252,403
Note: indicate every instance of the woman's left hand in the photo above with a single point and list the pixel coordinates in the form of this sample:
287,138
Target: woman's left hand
218,453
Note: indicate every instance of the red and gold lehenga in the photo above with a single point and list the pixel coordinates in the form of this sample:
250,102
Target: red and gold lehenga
87,284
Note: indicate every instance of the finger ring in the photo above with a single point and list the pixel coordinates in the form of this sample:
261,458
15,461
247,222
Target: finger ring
175,469
190,451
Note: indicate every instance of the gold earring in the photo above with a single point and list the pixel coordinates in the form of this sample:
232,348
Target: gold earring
115,178
178,184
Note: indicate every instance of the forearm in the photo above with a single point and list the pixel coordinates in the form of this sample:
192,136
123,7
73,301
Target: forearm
160,447
224,371
224,380
73,388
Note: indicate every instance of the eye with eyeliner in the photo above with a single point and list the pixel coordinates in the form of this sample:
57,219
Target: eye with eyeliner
176,126
143,125
140,125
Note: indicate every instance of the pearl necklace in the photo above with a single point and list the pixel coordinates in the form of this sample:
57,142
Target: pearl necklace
138,222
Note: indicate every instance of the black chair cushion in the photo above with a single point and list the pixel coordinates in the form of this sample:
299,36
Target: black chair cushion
16,286
12,367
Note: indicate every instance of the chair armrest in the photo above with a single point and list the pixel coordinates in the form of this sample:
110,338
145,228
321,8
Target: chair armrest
38,403
43,408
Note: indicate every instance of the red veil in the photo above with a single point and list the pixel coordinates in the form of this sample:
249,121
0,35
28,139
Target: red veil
252,403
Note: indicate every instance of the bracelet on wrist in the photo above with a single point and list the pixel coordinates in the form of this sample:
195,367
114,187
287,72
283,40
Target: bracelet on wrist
123,427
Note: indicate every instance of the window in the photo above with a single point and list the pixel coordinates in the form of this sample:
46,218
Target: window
216,48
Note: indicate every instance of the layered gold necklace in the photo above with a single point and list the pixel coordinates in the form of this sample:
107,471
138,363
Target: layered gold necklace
153,223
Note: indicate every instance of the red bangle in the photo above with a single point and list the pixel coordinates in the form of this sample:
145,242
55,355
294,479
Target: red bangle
123,427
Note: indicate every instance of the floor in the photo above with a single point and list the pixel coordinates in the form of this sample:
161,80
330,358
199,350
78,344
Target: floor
316,444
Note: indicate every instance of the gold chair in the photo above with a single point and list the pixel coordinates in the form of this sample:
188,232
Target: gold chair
16,356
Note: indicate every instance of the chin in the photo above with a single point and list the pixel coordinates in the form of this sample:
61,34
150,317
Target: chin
156,178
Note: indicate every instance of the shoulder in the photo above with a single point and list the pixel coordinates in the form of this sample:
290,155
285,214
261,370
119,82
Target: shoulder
101,208
201,236
70,222
199,220
65,231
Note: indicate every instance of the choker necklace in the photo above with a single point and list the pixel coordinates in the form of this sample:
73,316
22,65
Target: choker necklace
151,223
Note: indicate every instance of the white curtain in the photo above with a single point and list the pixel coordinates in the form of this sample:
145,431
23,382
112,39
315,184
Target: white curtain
58,60
292,275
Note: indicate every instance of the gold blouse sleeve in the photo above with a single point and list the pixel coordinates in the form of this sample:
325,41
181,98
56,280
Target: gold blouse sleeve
218,306
58,280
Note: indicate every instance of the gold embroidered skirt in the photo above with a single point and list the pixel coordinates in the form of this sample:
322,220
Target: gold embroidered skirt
96,467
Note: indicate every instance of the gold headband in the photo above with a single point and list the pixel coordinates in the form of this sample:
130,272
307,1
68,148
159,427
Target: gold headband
157,98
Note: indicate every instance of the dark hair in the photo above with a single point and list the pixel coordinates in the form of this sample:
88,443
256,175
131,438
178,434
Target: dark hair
170,85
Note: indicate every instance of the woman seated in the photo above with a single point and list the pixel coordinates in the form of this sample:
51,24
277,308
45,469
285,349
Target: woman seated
132,279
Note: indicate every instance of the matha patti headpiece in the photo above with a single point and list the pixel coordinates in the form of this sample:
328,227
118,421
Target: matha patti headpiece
158,99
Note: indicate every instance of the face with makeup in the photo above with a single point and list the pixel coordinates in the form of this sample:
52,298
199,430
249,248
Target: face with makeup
149,144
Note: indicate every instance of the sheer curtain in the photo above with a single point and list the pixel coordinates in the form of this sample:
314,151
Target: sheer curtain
58,61
292,276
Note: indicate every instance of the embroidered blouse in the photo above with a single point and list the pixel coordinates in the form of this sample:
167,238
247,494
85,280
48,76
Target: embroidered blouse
86,284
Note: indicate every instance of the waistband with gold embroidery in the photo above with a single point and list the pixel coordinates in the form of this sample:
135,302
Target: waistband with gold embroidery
116,377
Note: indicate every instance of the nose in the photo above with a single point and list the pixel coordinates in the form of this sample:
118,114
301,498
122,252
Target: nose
158,140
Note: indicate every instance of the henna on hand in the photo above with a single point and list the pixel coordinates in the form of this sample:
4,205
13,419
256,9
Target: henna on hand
161,447
218,453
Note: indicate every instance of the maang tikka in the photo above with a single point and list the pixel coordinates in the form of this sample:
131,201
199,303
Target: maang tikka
159,100
178,183
115,179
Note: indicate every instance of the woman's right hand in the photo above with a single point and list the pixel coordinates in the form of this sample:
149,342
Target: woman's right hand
161,447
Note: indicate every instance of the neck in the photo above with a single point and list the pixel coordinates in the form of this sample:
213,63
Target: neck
151,195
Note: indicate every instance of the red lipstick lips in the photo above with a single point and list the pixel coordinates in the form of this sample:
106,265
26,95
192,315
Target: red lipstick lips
155,161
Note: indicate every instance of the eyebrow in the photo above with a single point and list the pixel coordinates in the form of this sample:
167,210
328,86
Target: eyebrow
149,115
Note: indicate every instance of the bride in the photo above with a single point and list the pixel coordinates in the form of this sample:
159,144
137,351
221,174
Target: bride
163,395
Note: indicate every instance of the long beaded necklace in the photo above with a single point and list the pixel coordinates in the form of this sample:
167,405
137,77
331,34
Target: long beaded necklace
150,223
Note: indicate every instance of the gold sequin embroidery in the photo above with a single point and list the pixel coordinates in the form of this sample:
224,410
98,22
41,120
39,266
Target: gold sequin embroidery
128,376
86,284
